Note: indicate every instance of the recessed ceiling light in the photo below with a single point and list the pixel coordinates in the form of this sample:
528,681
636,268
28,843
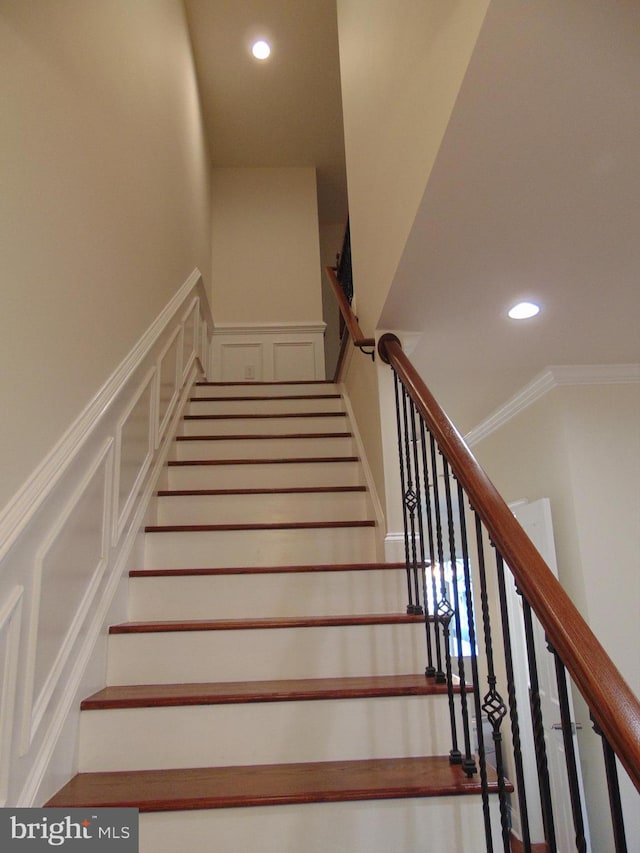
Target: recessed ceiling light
261,49
524,310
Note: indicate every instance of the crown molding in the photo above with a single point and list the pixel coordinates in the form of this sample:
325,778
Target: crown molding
553,376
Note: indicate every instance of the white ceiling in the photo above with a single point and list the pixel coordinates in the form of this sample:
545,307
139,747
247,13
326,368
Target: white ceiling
535,194
286,111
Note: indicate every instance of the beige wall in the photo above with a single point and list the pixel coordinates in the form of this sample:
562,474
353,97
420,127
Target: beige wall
580,446
104,206
265,246
402,63
331,237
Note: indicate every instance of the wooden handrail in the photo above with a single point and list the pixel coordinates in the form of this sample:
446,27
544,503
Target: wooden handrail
349,317
611,701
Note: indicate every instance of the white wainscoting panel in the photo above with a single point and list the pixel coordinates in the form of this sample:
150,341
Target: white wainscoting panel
169,374
190,321
293,360
69,535
241,362
67,572
10,624
135,442
267,352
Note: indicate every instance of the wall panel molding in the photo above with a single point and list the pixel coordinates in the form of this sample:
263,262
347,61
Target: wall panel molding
268,352
70,534
52,557
10,625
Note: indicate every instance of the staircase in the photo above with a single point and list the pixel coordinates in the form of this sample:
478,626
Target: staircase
268,692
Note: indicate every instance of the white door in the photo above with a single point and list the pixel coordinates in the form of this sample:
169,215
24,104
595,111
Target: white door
535,518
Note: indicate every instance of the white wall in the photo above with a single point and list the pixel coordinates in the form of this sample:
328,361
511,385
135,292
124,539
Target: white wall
580,446
104,210
265,246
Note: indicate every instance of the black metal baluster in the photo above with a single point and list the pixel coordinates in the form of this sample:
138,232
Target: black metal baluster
513,706
423,559
412,496
538,731
570,754
403,487
471,627
613,787
444,610
438,672
468,763
493,706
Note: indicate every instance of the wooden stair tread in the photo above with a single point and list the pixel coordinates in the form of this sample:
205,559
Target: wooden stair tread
252,398
270,784
278,525
271,570
253,383
286,690
264,622
265,436
265,416
287,490
284,461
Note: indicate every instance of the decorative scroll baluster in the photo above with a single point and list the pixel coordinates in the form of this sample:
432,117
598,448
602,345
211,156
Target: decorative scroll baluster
411,503
613,787
468,762
437,671
570,754
513,706
401,457
492,705
538,731
420,568
444,610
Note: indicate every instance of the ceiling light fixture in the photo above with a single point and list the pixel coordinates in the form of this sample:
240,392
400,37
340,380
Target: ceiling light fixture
261,49
524,310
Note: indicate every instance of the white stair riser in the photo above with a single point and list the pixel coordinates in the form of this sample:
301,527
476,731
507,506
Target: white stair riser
264,508
263,733
270,390
265,476
217,549
253,596
265,654
447,824
259,426
264,448
263,407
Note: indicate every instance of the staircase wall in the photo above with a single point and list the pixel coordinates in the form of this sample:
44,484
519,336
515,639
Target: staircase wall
72,533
